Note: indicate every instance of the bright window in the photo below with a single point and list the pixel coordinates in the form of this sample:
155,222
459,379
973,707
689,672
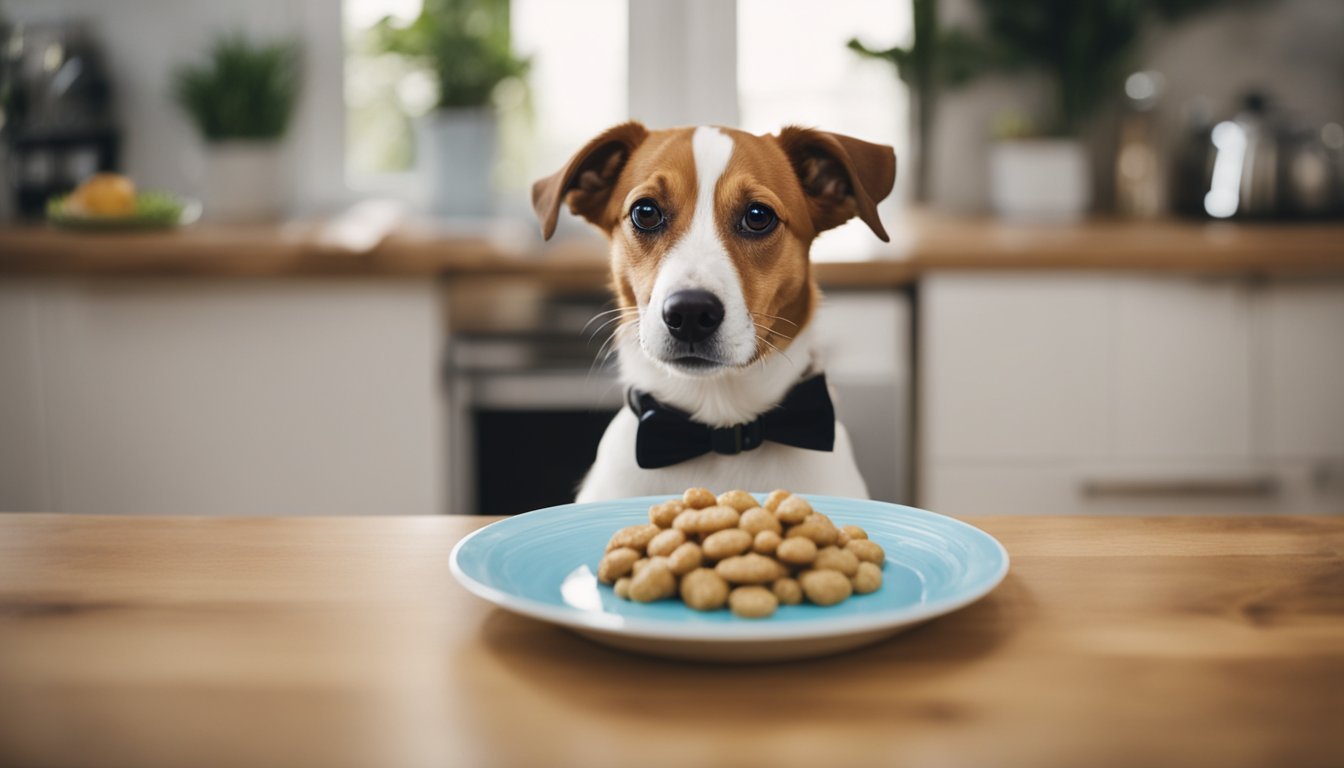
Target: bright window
793,67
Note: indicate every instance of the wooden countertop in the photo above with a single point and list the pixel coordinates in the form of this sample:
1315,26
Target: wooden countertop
363,244
345,642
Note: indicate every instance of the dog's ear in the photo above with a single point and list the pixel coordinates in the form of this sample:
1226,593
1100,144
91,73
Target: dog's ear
842,177
588,178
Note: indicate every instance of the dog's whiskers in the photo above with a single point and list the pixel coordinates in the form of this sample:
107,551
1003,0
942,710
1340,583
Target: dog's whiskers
777,349
770,330
606,324
604,313
776,317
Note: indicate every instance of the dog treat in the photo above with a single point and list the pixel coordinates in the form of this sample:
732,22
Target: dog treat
616,563
636,537
729,550
793,510
726,543
766,542
821,531
836,559
706,521
752,602
866,550
666,541
663,514
754,521
704,590
698,498
739,500
686,558
655,582
772,501
867,579
821,587
789,591
751,569
796,551
855,532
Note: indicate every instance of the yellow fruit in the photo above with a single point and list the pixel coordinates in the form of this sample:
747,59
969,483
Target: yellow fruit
106,194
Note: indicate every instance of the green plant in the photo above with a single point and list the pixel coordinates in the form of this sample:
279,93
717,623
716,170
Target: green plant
243,90
1084,46
465,43
936,58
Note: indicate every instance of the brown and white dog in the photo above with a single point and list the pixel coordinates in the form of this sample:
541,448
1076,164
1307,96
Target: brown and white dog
710,232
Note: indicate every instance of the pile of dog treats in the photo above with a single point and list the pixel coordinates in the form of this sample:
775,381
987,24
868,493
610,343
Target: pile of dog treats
733,550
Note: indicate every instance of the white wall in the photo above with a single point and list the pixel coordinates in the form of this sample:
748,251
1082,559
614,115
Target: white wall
144,40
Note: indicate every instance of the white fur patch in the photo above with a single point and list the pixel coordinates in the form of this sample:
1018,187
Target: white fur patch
700,260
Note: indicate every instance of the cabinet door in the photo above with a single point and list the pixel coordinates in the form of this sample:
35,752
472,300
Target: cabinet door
1300,370
240,397
25,470
1014,366
1182,369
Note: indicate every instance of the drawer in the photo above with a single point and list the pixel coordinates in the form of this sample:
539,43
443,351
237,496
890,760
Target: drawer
1039,488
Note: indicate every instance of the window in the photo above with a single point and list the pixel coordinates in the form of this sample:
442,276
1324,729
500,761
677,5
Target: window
793,67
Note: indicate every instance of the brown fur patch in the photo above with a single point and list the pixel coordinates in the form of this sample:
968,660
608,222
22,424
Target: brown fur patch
774,270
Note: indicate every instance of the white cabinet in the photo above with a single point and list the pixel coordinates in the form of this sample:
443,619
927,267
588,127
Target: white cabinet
1300,340
1181,368
25,478
1021,355
220,397
1058,394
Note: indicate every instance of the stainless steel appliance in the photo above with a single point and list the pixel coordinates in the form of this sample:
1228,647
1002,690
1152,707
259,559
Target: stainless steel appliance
1259,164
59,123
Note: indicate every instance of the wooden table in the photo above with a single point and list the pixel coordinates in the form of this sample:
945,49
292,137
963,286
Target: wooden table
331,642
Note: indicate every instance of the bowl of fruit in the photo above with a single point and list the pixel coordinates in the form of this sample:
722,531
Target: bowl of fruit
110,201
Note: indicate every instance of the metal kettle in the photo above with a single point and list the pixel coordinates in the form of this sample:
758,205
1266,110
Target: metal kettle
1258,167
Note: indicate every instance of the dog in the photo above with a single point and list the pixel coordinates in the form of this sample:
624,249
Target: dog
710,231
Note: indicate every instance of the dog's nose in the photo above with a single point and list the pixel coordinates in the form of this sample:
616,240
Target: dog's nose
692,315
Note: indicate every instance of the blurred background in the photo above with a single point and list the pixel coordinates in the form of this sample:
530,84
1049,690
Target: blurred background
278,258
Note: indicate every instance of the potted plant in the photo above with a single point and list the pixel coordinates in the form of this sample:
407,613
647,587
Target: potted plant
1039,166
464,44
936,58
241,99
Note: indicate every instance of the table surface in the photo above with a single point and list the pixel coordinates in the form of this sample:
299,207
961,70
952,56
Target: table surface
345,641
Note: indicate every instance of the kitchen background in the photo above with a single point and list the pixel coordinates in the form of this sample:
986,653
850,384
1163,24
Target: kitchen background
1116,282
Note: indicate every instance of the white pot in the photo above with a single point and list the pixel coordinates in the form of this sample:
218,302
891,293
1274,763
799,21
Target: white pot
458,148
1040,179
246,182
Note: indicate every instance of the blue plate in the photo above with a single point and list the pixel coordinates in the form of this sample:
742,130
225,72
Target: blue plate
543,564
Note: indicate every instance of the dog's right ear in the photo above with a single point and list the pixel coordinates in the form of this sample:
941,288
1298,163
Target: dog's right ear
587,180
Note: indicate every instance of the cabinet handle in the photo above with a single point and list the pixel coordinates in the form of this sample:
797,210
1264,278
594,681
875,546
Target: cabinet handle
1257,486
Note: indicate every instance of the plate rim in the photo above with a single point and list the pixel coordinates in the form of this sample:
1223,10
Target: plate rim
747,632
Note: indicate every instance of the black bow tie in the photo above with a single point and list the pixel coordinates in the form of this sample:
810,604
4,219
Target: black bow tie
667,436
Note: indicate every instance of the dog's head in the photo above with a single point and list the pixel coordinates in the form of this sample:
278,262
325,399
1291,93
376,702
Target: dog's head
711,227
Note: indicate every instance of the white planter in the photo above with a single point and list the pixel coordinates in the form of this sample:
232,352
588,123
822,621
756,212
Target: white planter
458,149
246,182
1047,179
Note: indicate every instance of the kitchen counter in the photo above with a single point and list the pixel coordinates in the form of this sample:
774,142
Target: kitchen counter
345,641
362,244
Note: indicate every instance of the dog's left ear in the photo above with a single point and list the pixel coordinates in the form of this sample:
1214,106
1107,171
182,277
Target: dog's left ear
589,177
843,177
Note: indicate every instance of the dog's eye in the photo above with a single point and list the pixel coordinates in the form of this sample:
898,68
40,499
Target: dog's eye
646,215
758,219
